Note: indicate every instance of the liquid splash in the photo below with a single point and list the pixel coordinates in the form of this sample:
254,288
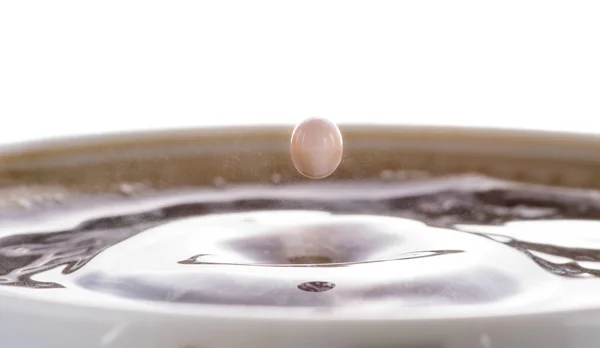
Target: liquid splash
440,244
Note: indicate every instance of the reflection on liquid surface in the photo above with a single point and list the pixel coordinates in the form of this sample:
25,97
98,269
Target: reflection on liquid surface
446,242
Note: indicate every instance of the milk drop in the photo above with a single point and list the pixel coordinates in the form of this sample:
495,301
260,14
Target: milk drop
316,148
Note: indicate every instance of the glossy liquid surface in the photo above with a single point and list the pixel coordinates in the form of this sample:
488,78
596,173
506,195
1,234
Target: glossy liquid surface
457,241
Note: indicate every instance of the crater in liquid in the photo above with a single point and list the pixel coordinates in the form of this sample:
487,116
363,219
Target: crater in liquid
450,241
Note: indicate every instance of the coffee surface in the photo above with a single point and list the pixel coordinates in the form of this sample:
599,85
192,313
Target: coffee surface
455,241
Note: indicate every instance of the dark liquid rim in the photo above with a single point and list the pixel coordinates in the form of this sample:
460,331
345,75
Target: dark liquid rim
196,157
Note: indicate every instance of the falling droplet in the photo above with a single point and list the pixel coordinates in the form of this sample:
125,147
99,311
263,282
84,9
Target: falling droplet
316,148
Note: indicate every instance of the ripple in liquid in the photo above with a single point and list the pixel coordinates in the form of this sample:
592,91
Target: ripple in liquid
441,246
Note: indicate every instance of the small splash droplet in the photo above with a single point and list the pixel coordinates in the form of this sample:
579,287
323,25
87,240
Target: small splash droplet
219,182
316,286
276,178
127,189
131,189
387,175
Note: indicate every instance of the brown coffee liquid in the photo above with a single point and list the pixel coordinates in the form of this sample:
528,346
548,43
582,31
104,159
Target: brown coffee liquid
453,241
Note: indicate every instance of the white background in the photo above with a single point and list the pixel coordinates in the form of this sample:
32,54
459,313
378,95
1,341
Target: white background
69,67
